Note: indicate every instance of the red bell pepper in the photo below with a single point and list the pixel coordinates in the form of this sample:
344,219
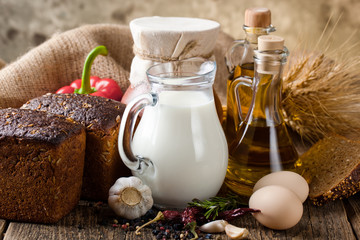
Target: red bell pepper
94,85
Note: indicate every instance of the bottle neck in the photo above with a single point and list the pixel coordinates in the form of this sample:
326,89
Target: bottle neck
252,33
268,85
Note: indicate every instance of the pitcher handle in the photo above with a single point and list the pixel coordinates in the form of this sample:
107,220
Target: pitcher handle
229,54
246,81
134,162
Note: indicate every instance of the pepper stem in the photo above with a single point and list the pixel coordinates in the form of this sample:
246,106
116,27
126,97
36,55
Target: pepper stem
159,216
192,227
85,78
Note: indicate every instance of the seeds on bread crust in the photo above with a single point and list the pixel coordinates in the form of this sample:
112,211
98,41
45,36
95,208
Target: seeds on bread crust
333,163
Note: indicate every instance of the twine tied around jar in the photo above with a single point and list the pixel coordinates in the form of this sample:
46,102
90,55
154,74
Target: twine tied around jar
143,54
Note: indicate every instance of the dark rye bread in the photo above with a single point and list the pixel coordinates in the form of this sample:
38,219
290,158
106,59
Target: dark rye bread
101,116
333,165
41,165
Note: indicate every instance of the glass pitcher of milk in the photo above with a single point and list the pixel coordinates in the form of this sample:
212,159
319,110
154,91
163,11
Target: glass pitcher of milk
178,148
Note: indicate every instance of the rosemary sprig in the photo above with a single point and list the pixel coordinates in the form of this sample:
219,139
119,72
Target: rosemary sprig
216,204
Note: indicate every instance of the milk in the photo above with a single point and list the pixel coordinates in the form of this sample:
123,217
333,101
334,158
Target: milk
183,138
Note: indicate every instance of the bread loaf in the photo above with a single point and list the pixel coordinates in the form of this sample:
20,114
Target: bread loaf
41,165
333,165
101,116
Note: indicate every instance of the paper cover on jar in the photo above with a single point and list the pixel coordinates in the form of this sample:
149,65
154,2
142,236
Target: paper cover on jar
163,39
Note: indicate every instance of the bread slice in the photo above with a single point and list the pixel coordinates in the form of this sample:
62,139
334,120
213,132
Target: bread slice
333,165
101,117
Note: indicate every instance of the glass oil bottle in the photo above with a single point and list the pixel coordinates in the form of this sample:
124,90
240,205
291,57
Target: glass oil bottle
262,143
239,60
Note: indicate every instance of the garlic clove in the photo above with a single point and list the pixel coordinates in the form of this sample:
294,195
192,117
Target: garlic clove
234,232
214,226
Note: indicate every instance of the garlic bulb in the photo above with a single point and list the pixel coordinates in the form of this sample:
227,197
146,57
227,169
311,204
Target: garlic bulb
130,198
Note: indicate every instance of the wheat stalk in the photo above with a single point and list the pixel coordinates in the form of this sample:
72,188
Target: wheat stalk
321,92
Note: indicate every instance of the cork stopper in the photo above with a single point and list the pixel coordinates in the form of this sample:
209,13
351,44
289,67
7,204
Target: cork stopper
257,17
270,42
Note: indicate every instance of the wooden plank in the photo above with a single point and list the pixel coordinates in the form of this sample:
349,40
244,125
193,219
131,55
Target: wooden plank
95,222
352,206
85,222
326,222
2,227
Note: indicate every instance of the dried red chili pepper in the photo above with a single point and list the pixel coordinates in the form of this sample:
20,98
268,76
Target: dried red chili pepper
173,216
235,213
192,216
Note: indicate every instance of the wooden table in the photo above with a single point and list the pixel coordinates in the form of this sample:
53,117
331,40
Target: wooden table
335,220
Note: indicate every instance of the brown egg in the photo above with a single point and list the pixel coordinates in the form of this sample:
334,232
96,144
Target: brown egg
280,207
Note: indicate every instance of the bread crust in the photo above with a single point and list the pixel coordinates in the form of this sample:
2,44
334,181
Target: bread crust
41,165
344,189
21,123
101,117
95,113
332,162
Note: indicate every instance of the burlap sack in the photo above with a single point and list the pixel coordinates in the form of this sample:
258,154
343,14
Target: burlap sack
59,61
2,63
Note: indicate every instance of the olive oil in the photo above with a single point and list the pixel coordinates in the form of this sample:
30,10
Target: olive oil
261,143
263,149
245,93
240,63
